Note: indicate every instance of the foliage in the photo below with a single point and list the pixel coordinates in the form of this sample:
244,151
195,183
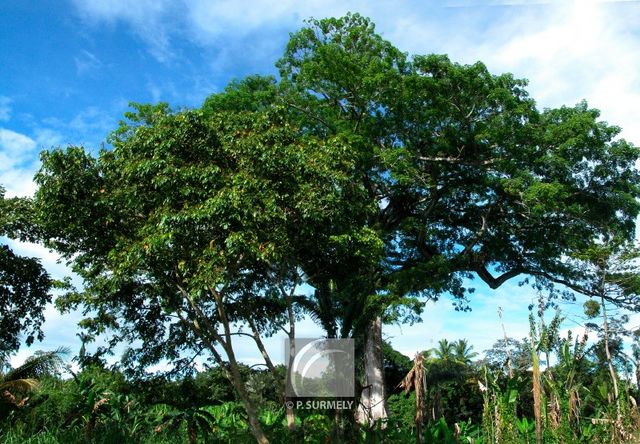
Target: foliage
104,406
24,283
378,179
17,384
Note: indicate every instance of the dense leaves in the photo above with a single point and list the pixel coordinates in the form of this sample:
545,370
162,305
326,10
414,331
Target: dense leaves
376,178
24,283
186,205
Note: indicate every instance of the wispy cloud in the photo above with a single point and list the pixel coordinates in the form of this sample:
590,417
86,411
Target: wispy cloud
91,120
147,18
5,108
87,127
87,63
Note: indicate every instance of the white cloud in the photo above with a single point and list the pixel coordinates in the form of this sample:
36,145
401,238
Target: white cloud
16,154
582,51
18,159
18,182
14,144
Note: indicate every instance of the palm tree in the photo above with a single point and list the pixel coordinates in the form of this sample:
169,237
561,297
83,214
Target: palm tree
445,350
463,352
17,382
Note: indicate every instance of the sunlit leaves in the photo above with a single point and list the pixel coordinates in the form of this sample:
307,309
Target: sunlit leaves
192,203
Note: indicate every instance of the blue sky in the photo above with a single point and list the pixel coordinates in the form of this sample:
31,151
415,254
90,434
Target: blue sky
69,69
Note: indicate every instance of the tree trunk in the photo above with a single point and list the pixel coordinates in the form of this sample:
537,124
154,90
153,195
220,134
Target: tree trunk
537,391
233,372
252,413
612,371
191,432
372,405
290,413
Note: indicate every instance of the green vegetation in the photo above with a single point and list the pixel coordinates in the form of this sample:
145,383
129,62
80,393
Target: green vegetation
24,283
361,184
443,396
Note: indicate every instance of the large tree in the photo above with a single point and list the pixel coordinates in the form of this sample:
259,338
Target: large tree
190,227
469,177
377,178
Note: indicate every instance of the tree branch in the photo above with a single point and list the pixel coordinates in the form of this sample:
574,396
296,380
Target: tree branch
458,160
495,282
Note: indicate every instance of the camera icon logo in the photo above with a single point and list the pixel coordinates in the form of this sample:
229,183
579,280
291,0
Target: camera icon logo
320,368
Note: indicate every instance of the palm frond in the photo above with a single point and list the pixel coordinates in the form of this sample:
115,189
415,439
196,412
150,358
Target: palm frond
19,385
318,308
38,365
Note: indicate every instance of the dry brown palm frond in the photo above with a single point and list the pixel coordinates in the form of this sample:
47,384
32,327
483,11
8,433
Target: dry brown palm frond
574,406
554,411
19,385
9,398
416,378
99,404
537,395
408,380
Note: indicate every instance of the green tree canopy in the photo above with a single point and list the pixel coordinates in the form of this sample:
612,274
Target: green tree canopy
468,175
195,222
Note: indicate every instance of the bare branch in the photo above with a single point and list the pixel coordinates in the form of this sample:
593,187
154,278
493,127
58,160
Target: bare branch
459,160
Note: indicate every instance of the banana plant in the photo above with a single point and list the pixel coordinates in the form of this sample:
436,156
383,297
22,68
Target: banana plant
198,421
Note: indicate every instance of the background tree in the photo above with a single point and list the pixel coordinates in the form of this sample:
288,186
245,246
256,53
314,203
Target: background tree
610,277
445,351
190,227
24,283
463,351
518,352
